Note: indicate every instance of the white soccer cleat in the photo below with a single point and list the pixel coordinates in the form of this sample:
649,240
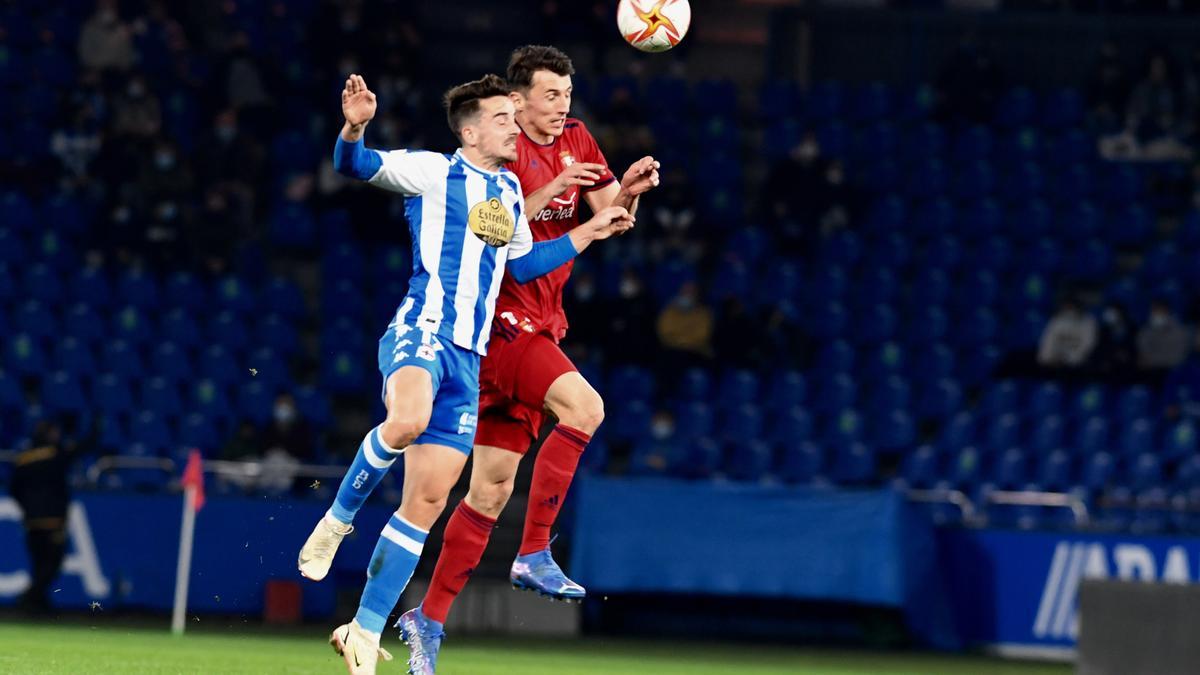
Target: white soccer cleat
359,648
317,555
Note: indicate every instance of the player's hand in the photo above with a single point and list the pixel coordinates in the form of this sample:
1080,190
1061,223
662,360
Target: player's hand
609,221
358,102
641,177
580,173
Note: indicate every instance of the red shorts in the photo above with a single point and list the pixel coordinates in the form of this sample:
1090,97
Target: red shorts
513,380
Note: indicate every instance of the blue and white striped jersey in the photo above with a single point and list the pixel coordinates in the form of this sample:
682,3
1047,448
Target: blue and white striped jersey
466,222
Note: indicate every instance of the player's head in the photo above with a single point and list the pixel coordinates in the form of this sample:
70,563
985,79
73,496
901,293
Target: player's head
482,116
541,80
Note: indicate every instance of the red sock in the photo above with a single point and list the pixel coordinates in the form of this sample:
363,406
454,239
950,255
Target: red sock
552,474
467,534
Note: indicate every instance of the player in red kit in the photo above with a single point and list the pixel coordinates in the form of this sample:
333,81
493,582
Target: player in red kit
526,375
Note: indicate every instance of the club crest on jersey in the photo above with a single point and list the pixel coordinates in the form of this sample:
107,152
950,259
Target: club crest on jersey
491,222
567,158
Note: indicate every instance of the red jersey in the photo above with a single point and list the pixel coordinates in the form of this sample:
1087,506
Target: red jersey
540,301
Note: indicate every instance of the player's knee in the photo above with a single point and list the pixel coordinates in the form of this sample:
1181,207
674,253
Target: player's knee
585,413
490,497
399,431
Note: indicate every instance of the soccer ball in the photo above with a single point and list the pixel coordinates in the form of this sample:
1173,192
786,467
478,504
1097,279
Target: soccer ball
653,25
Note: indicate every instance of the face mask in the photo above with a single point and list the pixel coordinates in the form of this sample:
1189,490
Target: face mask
686,302
164,160
1158,320
284,413
807,151
585,292
629,288
226,133
136,90
662,429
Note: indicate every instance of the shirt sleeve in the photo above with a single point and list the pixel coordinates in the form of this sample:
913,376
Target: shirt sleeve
409,172
522,241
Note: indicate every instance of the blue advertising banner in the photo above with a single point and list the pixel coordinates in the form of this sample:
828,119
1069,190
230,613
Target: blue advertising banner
122,550
669,536
1020,589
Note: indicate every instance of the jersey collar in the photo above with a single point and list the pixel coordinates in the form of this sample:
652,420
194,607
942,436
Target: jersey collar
466,162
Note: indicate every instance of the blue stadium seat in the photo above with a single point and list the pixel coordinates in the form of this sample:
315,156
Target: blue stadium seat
993,253
1016,108
630,422
738,387
121,358
938,398
966,468
1161,263
63,214
18,211
85,324
344,262
1181,441
834,358
111,394
41,283
179,327
171,361
151,430
1015,147
1147,471
781,282
138,289
160,395
740,424
1063,109
1093,437
888,249
927,325
1089,402
959,432
854,464
933,218
74,356
228,330
343,298
920,467
1093,262
888,358
892,393
343,333
980,327
1012,469
1003,432
1048,434
834,394
786,390
12,248
196,432
926,180
1046,400
1133,403
778,98
694,385
221,365
1187,474
256,401
62,393
209,399
874,325
112,436
314,407
893,431
844,428
1054,470
1071,184
185,291
283,297
842,248
1001,399
1129,225
630,383
1137,437
748,461
269,367
935,362
789,426
973,181
699,459
975,288
800,463
972,144
132,326
693,419
233,294
36,320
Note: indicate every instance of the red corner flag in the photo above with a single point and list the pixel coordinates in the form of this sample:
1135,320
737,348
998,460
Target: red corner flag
193,476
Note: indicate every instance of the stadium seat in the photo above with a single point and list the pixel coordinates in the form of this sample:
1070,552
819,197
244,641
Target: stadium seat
844,428
1045,400
36,320
169,360
62,393
966,468
1004,431
132,326
958,433
887,358
630,383
112,436
893,431
1001,399
834,394
1181,441
1054,471
256,402
185,291
926,326
920,467
314,407
121,358
24,355
221,365
748,461
938,398
160,395
738,387
1048,434
228,330
269,367
693,419
741,423
786,390
74,356
179,327
854,464
1093,437
1012,469
209,399
835,358
138,289
892,393
1089,402
41,283
935,362
150,430
800,462
1137,438
699,459
196,432
232,294
787,426
85,324
875,325
653,458
1133,403
283,297
630,422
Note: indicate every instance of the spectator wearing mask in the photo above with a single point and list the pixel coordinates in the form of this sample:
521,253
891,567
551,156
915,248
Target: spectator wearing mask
288,432
1163,342
1183,385
685,328
630,319
105,42
1116,350
1069,337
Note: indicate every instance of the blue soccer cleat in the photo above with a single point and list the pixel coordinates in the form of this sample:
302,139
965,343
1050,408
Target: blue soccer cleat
423,637
539,573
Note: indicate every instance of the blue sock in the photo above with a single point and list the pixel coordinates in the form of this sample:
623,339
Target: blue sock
368,468
392,565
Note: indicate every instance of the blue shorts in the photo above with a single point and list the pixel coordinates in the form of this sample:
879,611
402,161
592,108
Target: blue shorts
455,373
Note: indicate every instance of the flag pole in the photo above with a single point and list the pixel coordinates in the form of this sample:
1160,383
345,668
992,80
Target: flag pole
184,567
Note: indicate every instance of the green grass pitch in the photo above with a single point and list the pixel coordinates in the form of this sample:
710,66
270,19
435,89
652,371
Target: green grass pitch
98,649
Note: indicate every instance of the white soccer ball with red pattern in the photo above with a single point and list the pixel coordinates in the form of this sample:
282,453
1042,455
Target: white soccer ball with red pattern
654,25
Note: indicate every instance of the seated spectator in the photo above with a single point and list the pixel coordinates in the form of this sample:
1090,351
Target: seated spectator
1069,337
1182,386
105,41
1163,342
288,432
630,320
685,328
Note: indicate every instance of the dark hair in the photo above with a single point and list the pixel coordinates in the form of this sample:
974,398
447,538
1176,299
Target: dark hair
462,102
527,60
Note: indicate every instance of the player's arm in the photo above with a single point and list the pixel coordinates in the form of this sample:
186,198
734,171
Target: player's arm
529,260
397,170
641,177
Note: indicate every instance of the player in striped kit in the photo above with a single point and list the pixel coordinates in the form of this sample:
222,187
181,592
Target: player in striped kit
467,219
526,375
